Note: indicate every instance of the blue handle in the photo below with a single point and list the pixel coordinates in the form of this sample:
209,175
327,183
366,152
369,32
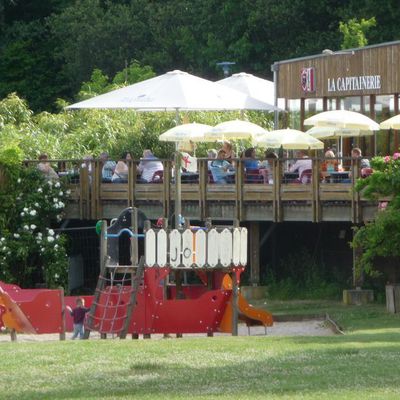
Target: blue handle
131,234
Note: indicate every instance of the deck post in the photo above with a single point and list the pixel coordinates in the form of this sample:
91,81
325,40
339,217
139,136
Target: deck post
254,253
235,305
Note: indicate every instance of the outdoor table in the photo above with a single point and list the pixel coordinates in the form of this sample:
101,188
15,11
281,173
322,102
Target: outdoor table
338,177
190,177
290,177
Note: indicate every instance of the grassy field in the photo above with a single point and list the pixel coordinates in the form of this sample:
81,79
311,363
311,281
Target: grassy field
362,364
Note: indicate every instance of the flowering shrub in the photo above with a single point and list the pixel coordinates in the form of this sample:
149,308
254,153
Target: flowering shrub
31,252
380,237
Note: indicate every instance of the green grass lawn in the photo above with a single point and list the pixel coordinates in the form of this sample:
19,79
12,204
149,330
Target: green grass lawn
362,364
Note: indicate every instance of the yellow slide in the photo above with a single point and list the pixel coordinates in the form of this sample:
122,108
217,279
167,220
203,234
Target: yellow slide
14,318
251,315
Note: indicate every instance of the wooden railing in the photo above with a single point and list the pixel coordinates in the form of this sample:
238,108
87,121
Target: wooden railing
91,198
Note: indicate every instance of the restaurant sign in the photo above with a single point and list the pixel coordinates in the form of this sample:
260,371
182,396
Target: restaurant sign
307,78
354,83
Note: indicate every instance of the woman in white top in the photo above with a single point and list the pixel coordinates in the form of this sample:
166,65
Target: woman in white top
120,174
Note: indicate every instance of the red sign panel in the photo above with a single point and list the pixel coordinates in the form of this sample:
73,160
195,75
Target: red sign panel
307,78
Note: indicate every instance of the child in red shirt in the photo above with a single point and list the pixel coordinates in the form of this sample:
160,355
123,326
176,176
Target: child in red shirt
78,314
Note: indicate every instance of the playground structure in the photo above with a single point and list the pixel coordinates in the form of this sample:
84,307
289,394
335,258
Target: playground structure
187,281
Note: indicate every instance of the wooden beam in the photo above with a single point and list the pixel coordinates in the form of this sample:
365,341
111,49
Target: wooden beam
255,253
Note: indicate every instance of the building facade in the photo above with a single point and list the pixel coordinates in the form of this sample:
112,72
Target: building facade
365,80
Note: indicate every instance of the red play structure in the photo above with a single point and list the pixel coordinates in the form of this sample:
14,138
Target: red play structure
186,282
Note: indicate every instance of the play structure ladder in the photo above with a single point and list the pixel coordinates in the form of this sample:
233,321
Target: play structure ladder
104,303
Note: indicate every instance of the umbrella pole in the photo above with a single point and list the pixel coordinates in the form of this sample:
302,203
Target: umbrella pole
178,189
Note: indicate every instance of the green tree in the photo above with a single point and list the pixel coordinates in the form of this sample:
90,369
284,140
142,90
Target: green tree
354,32
380,237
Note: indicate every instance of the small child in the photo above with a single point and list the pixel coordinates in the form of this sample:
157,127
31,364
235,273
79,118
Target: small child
78,314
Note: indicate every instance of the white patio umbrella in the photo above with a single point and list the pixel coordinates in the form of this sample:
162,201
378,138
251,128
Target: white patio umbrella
391,123
328,132
342,119
174,91
192,132
258,88
234,129
288,139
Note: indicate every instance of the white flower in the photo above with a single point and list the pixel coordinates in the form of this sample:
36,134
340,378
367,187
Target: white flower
33,226
33,212
68,192
60,193
51,232
36,204
16,235
19,180
22,214
42,249
4,248
26,227
55,200
57,184
56,246
50,183
39,234
61,204
50,239
2,239
26,209
56,276
40,190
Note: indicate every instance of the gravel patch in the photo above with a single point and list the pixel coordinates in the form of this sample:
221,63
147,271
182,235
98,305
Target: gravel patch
297,328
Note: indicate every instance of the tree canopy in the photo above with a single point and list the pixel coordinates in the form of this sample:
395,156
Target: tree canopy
48,48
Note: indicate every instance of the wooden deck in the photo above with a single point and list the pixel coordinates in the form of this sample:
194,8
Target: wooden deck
315,202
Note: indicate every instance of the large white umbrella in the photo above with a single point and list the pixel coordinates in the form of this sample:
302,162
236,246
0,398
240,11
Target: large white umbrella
174,91
289,139
235,129
258,88
329,132
342,119
391,123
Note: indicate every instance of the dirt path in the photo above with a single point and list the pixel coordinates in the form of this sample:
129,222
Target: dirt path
298,328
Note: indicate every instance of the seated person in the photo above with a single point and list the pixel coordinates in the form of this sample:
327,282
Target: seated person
148,165
211,155
249,157
228,150
356,153
108,168
220,168
45,167
304,163
266,167
121,170
329,165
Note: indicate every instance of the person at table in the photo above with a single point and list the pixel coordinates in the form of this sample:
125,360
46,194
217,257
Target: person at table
329,165
148,165
364,162
211,155
108,168
45,167
121,170
249,159
266,166
303,164
221,168
228,150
